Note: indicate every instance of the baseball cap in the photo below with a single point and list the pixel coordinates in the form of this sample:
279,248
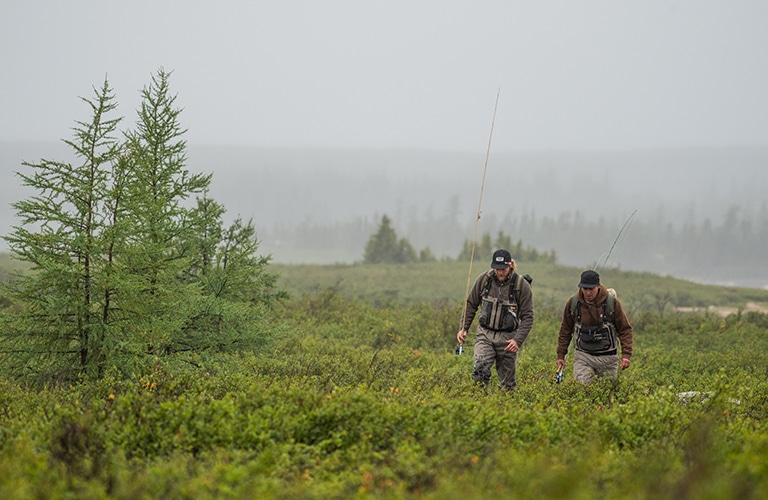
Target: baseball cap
589,279
501,259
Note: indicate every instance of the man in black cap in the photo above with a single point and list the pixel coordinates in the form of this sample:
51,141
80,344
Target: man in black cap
596,322
505,301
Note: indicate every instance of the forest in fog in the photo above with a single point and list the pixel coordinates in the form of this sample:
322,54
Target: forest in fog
698,214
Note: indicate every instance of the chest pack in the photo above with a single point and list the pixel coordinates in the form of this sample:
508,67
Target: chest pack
499,313
596,339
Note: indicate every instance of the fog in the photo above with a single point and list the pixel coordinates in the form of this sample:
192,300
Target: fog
700,214
586,75
319,114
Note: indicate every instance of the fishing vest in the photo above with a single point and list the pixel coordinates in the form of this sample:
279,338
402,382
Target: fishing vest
500,313
598,339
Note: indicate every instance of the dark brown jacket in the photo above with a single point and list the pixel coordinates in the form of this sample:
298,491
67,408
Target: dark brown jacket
591,316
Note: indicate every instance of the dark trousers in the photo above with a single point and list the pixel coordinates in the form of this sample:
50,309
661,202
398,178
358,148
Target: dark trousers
489,349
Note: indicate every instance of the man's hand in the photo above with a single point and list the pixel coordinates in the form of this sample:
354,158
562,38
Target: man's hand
624,363
512,346
461,336
560,365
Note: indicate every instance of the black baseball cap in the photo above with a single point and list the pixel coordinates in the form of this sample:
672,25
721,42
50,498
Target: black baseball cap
589,279
501,259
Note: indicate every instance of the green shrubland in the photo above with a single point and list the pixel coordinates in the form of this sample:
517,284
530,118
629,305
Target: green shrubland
365,399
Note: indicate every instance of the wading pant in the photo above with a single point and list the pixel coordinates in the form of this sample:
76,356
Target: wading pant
489,349
586,366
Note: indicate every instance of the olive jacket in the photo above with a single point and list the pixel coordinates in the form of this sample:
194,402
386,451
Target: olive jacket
525,308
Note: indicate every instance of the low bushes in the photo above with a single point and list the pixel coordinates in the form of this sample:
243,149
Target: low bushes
381,407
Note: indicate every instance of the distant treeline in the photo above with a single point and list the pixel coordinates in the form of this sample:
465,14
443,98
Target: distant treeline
730,251
385,247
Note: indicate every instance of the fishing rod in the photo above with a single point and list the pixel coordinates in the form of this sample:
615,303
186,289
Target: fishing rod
460,347
610,250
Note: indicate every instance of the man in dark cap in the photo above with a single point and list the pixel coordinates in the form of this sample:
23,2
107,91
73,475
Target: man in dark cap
596,322
505,302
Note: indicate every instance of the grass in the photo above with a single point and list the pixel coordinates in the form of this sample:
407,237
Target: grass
553,284
364,398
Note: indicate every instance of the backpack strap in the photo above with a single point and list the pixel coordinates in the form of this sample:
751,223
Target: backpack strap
609,308
575,309
486,285
514,288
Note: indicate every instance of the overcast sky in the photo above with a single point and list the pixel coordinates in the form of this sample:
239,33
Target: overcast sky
570,74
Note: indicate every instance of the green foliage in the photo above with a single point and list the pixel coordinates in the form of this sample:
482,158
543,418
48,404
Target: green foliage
447,281
383,247
426,255
343,417
483,251
63,324
121,271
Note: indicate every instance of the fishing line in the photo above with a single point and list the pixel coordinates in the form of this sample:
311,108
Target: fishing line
479,205
610,250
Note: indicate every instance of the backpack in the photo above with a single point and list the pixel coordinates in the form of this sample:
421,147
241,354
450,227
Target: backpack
513,290
609,306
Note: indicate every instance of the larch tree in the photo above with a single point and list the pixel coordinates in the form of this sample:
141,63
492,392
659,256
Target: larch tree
62,327
126,270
